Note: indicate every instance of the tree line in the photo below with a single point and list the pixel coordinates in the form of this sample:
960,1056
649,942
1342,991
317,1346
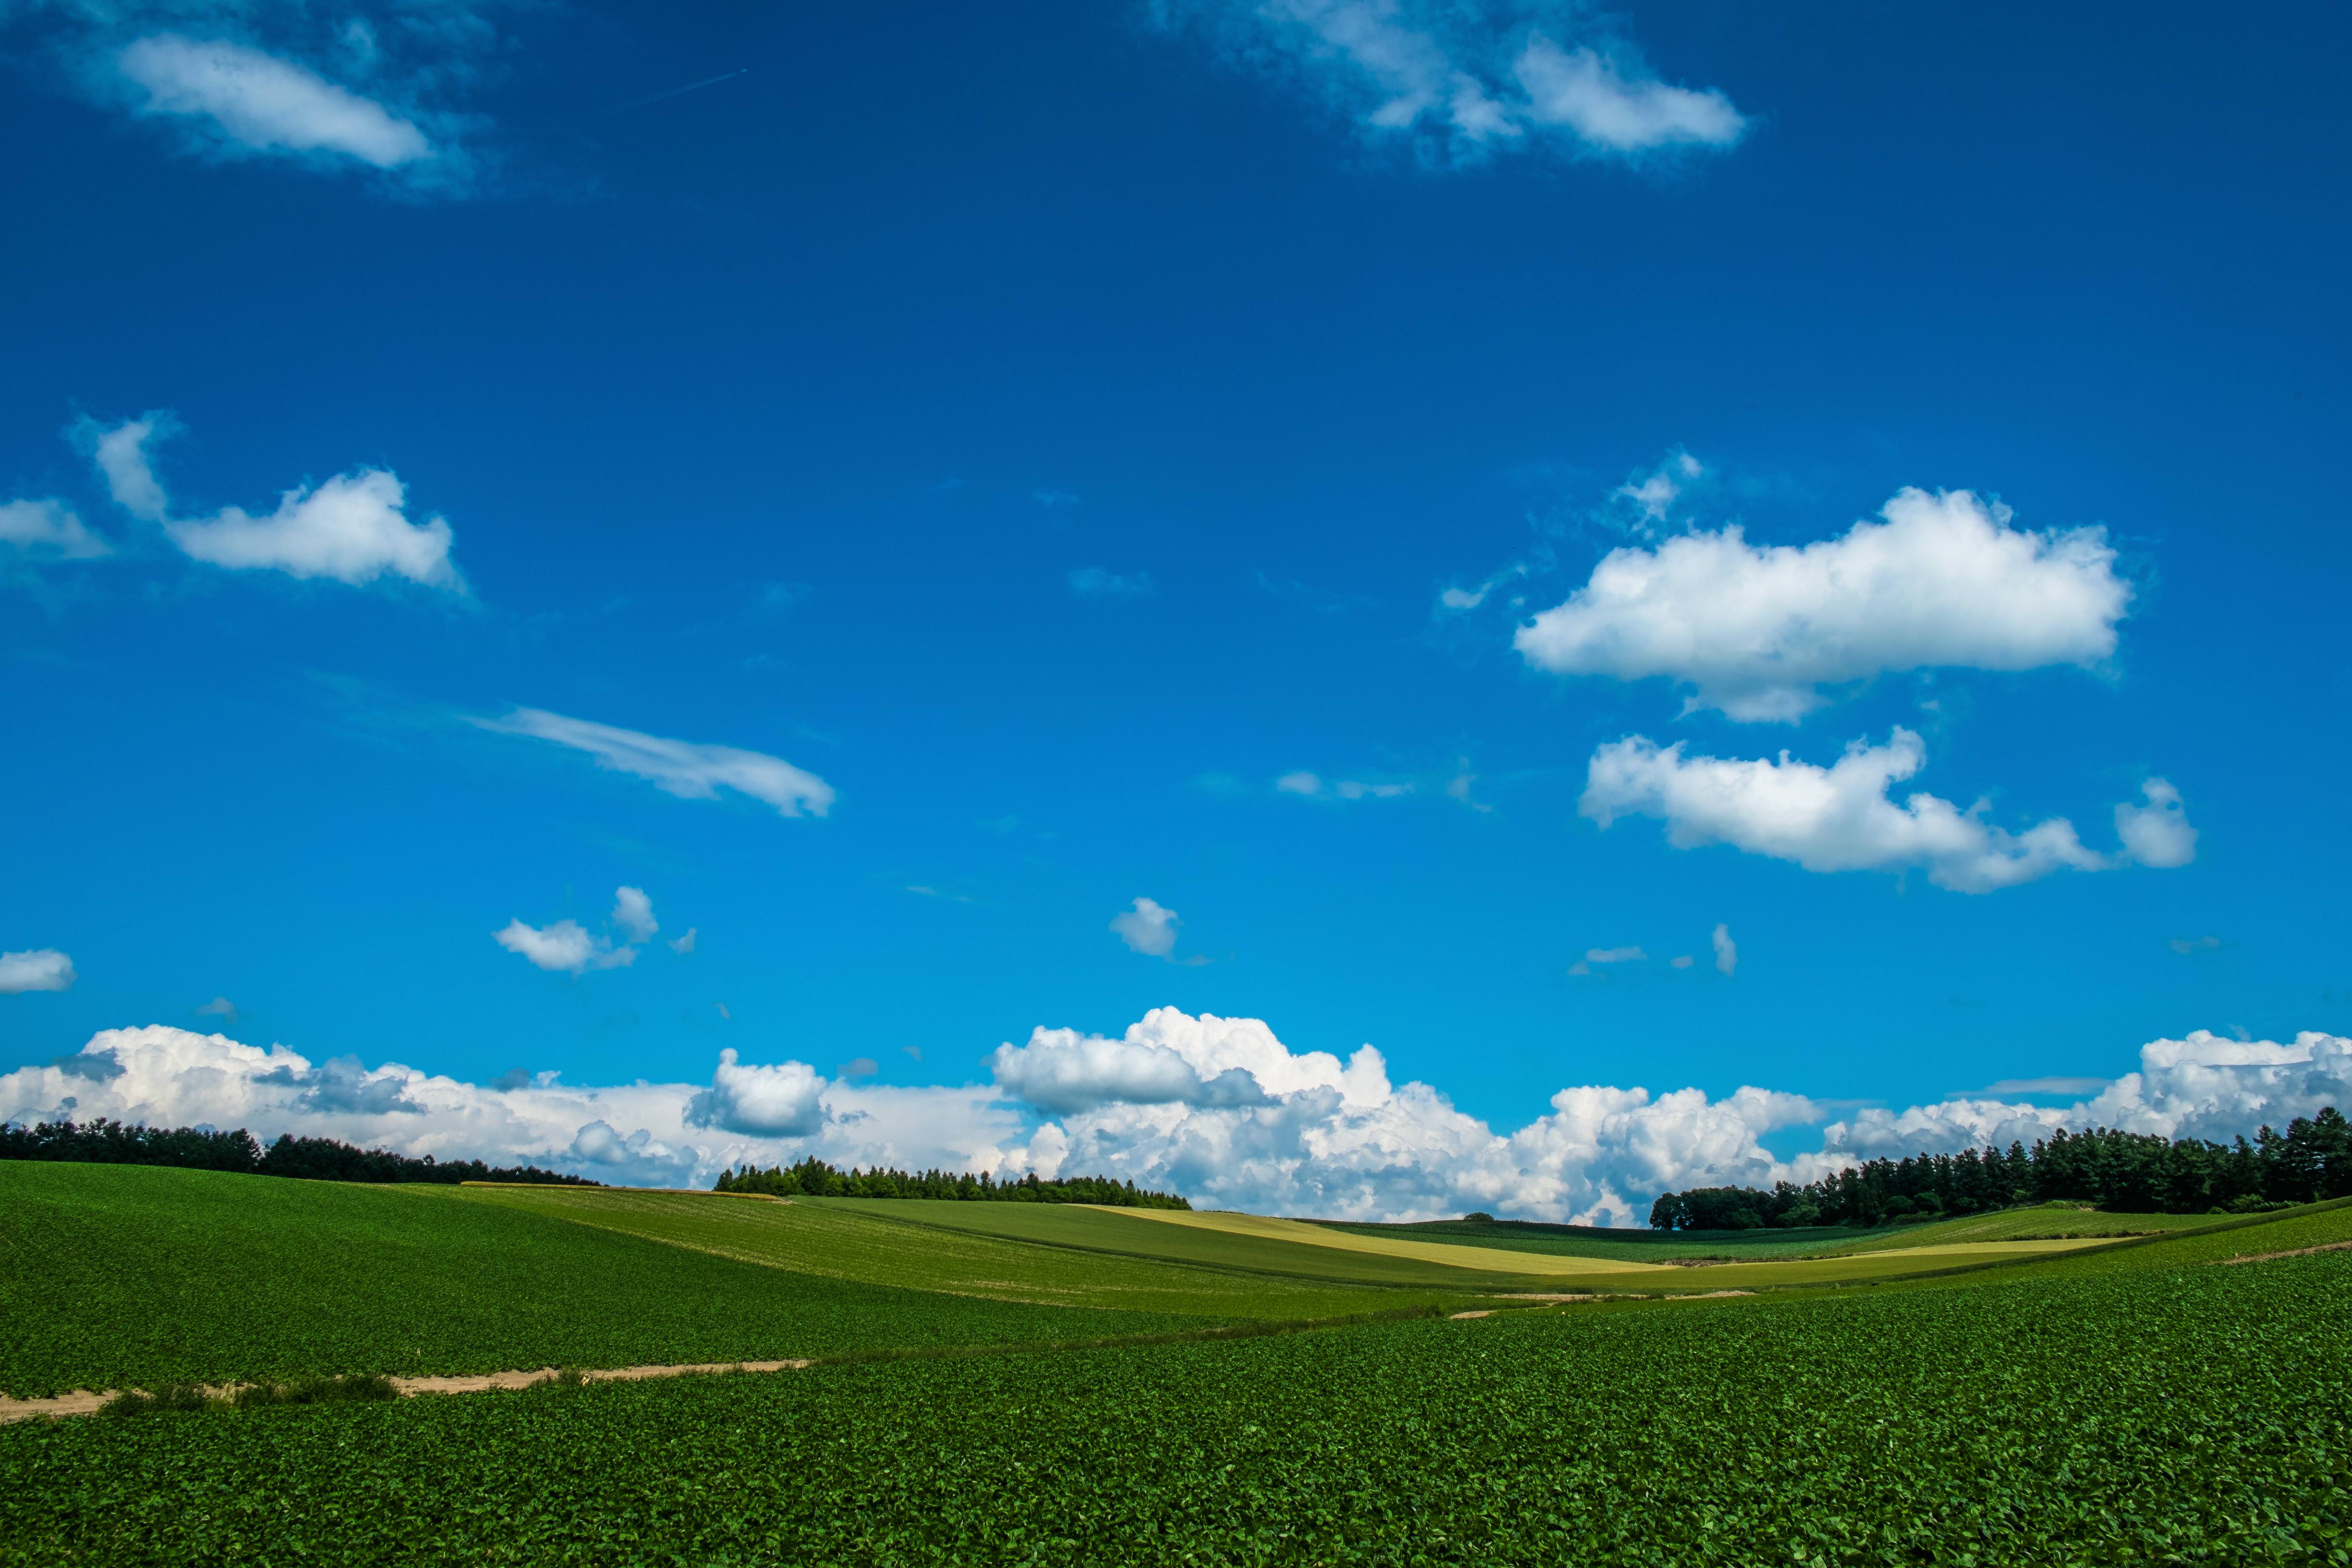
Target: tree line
817,1179
104,1142
2128,1172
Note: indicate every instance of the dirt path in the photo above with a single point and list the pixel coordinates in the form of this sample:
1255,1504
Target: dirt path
81,1402
2290,1252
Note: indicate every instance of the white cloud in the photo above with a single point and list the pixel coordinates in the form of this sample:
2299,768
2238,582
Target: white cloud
35,969
1614,956
2200,1087
1314,788
1216,1108
779,1101
565,946
252,102
1339,1139
681,768
1837,818
634,913
1060,1070
1681,961
684,944
353,528
220,1007
1094,583
1463,82
2157,834
1589,93
1943,581
638,1133
49,528
1149,928
1727,951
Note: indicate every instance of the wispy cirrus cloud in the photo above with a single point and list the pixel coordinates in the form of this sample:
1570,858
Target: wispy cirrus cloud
1463,83
379,90
687,769
245,102
49,529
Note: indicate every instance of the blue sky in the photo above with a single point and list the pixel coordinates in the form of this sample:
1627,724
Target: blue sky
1045,432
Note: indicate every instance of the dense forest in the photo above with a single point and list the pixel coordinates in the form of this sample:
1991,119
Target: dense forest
2129,1173
104,1142
820,1180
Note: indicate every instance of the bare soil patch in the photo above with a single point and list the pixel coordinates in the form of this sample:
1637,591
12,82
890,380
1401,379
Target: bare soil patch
2290,1252
81,1402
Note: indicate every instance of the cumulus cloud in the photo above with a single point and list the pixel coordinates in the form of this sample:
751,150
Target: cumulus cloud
1943,580
784,1100
49,529
2157,834
34,969
1149,928
634,913
1727,951
565,946
683,768
1094,583
1218,1109
247,102
1839,818
1605,956
1463,82
2200,1087
352,529
220,1007
684,944
638,1133
1060,1070
1320,1136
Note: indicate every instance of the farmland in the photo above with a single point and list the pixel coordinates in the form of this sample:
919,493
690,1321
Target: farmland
2117,1406
113,1276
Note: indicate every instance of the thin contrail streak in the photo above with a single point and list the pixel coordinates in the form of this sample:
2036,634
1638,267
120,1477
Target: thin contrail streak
673,92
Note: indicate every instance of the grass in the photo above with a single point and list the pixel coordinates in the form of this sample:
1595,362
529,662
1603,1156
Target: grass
2039,1222
1295,1249
120,1277
944,1245
2120,1406
1277,1249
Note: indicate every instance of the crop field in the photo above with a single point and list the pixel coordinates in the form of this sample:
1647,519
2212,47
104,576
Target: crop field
1282,1249
1294,1249
2137,1404
114,1275
1595,1241
909,1243
2053,1220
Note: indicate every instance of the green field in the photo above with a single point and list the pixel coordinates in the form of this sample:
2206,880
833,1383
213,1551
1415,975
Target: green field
992,1251
1418,1265
2140,1404
114,1275
2042,1221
